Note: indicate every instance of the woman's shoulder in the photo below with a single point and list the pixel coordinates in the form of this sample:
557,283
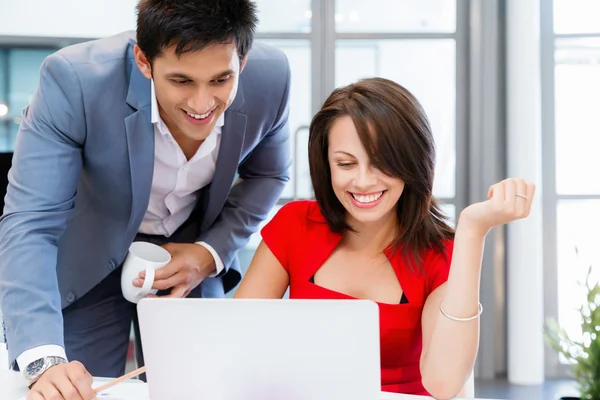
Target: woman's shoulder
293,231
301,211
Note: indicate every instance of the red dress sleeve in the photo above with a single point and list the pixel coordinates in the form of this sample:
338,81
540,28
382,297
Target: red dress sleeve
439,266
281,234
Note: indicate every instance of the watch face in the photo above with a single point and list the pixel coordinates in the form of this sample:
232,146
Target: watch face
33,368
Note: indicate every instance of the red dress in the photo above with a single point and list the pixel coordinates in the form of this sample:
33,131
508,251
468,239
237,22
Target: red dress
301,240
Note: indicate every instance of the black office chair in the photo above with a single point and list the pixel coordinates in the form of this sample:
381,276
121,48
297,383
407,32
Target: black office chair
5,163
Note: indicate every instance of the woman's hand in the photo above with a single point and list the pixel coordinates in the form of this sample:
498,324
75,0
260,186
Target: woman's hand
508,201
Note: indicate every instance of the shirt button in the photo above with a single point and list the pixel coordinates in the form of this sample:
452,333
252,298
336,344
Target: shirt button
70,297
111,265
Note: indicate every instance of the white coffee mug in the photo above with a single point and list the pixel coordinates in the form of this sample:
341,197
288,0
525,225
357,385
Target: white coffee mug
142,256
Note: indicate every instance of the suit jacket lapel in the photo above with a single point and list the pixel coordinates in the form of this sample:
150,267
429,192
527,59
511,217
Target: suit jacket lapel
140,144
232,139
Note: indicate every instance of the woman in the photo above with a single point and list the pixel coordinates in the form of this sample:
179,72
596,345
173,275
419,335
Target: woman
376,232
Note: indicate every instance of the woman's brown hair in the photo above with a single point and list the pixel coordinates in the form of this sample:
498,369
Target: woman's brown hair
396,134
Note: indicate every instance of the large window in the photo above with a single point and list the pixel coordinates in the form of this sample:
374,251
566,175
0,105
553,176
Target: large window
396,16
571,93
19,76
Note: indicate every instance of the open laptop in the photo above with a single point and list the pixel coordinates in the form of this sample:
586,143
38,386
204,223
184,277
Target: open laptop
234,349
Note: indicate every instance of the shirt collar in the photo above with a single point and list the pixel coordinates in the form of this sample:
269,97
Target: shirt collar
156,119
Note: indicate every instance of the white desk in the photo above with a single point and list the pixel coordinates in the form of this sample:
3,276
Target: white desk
12,387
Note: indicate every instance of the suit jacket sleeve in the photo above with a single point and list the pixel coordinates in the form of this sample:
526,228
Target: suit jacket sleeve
264,174
42,185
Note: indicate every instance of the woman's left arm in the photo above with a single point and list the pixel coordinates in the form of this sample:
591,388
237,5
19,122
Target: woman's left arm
450,322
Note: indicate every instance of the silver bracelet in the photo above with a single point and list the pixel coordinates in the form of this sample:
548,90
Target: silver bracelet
461,319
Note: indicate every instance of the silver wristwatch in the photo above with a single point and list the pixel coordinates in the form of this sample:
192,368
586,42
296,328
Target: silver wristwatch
35,369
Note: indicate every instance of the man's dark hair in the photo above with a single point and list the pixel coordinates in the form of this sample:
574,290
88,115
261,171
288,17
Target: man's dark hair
191,25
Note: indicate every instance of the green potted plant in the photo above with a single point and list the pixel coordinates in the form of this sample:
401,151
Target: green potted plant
583,353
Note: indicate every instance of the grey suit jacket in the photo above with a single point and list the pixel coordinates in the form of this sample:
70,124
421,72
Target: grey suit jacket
82,172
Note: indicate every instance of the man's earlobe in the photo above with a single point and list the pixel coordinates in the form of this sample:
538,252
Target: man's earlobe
142,62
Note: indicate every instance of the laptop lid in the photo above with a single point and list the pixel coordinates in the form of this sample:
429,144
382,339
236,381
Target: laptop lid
242,349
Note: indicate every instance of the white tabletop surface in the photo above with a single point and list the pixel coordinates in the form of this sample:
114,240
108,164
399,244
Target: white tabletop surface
12,387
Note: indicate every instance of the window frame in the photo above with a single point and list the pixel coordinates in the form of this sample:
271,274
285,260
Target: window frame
553,367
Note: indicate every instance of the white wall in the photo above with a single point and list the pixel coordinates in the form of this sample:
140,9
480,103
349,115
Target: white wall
66,18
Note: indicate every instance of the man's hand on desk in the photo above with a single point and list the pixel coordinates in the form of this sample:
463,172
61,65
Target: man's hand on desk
63,382
190,264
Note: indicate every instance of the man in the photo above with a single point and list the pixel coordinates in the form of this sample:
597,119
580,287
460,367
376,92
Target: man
136,140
